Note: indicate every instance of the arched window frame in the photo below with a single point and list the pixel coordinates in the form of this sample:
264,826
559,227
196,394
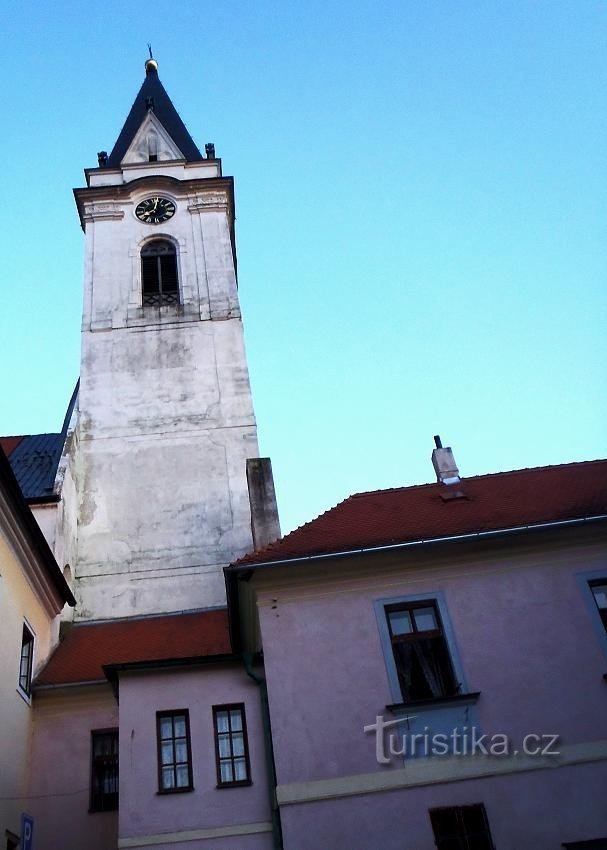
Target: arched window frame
160,283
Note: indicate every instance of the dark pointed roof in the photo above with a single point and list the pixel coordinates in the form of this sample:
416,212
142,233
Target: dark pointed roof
164,111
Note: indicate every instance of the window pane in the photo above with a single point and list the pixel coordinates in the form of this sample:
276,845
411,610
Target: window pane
179,721
238,744
166,727
183,777
167,753
425,619
224,746
240,769
226,772
149,272
236,720
600,594
168,780
23,670
181,751
400,622
221,718
168,270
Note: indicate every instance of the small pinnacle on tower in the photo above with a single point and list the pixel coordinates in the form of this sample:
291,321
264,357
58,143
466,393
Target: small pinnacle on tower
150,64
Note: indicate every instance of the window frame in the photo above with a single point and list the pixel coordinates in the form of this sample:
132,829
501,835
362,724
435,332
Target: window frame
586,580
417,635
437,597
172,713
235,783
93,805
465,834
27,689
597,582
149,243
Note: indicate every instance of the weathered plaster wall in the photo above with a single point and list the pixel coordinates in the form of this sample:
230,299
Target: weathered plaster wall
18,603
59,785
145,813
523,633
46,517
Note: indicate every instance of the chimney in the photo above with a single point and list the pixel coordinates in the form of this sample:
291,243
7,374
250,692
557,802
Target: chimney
444,464
262,499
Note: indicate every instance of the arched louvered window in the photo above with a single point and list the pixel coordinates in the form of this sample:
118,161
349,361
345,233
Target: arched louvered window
159,273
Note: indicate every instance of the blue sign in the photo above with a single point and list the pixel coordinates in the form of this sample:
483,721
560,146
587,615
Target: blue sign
27,832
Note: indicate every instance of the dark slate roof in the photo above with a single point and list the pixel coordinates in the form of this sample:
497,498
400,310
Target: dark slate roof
485,503
34,463
166,114
34,458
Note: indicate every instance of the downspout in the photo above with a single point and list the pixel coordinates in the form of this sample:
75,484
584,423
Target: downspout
247,660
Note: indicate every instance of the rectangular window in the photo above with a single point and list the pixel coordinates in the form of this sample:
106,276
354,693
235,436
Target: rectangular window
27,657
599,591
104,770
174,751
231,745
421,654
461,828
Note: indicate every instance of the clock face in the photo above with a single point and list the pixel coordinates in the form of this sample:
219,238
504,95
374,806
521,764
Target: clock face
155,210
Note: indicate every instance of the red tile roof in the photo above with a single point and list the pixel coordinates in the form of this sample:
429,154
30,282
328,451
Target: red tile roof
9,443
492,502
80,657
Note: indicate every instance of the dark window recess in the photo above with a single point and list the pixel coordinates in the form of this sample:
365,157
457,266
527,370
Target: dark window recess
231,745
27,657
12,842
159,274
104,770
599,591
461,828
420,651
174,751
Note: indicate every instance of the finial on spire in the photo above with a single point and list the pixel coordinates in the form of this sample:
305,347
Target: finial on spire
151,64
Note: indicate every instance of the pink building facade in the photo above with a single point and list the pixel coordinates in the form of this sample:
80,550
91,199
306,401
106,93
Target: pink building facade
517,652
149,732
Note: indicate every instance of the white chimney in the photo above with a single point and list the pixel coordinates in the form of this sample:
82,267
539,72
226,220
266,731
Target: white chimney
444,464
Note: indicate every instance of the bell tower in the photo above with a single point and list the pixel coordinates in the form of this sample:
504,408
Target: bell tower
165,417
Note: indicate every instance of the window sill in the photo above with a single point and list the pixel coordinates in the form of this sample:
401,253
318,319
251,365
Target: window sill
162,792
456,699
242,784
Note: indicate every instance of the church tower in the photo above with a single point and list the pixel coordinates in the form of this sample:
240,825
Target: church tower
165,421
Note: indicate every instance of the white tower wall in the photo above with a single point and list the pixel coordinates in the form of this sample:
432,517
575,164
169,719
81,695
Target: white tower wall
165,420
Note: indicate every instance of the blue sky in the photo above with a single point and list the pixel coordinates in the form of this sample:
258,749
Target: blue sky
421,220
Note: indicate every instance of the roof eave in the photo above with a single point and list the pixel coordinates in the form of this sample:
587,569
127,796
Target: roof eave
251,567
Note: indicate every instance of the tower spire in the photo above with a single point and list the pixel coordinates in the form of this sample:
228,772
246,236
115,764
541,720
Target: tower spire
153,97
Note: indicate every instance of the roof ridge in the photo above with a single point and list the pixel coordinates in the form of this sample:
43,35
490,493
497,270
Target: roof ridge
139,617
463,479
